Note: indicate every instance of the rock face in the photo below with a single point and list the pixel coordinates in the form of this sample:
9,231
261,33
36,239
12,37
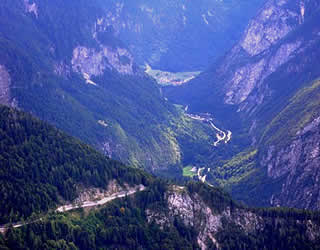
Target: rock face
5,82
273,23
94,63
91,194
299,164
194,212
262,51
31,7
248,87
91,62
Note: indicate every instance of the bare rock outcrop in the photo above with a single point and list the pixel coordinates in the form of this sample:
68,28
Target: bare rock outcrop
94,62
299,164
31,7
5,83
263,50
194,212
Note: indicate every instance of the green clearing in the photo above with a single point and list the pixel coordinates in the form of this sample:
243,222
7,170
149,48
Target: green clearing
165,78
188,173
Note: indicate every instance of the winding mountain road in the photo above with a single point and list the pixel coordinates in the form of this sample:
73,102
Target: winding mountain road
65,208
105,200
220,135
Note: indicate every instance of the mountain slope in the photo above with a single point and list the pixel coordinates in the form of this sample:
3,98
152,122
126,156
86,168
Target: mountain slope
179,35
60,62
42,167
192,217
289,152
264,86
270,47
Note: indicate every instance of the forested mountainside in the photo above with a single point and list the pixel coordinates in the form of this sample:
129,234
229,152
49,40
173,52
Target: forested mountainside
179,35
267,85
41,167
61,62
161,223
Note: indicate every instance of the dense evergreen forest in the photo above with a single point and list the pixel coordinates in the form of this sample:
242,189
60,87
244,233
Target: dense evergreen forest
123,224
41,166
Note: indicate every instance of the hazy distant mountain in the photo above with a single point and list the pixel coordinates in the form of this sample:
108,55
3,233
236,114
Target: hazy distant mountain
179,35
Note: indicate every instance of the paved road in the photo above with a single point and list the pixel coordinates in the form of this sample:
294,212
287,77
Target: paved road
99,202
69,207
221,135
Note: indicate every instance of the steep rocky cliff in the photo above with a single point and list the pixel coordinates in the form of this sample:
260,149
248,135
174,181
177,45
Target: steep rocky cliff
299,163
290,150
280,42
194,212
216,217
5,82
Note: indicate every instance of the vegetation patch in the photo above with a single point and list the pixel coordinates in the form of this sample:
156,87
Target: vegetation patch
169,78
302,109
40,166
190,171
235,169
